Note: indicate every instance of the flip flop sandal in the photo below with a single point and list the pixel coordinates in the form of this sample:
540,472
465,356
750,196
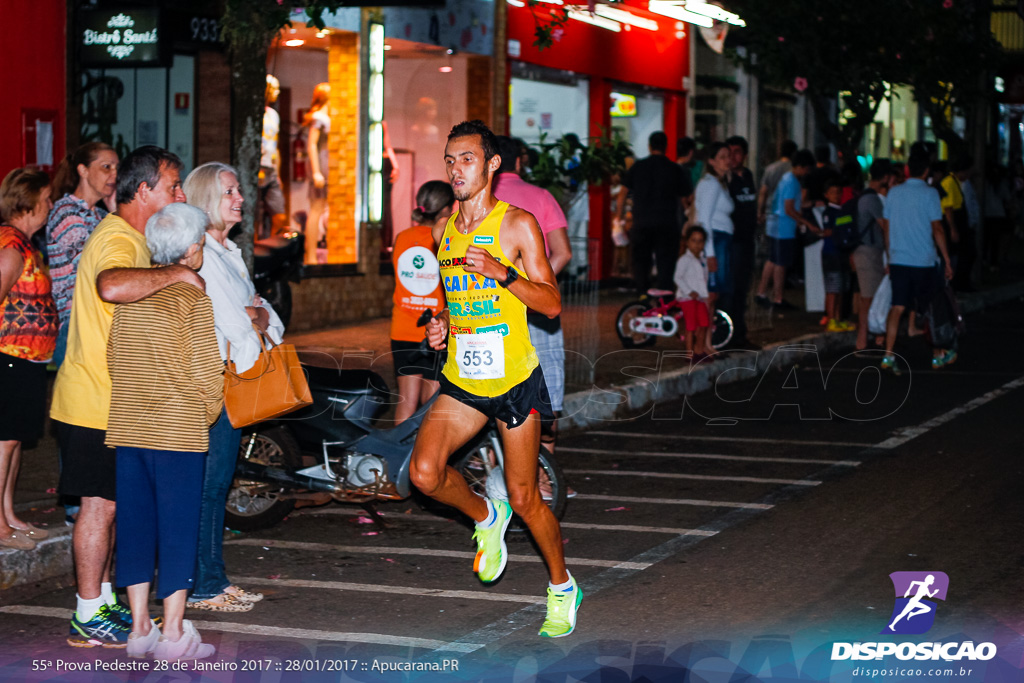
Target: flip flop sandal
229,604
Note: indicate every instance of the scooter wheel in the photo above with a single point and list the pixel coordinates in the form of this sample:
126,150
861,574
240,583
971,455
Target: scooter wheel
550,478
251,507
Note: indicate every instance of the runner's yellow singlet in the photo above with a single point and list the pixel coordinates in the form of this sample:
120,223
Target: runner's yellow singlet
489,349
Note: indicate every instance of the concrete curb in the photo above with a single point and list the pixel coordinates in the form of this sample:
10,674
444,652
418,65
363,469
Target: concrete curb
596,405
52,557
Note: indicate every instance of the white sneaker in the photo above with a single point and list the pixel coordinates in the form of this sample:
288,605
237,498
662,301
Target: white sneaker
189,646
140,645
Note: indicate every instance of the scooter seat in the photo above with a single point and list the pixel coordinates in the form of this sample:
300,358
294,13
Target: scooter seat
356,382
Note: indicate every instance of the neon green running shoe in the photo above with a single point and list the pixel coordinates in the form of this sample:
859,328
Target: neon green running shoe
562,606
491,552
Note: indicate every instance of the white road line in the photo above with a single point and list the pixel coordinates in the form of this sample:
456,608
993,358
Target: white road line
726,439
274,631
431,518
400,590
635,528
709,456
905,435
702,477
431,552
675,501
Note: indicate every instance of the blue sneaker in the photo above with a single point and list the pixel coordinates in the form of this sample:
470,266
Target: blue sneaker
105,629
121,612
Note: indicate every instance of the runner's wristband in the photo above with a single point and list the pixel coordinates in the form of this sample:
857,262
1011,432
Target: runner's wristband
511,275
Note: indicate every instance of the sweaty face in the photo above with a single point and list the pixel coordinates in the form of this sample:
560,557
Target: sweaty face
101,174
468,172
167,190
230,208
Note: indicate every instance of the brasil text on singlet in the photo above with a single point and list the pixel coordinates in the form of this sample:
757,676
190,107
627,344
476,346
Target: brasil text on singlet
489,349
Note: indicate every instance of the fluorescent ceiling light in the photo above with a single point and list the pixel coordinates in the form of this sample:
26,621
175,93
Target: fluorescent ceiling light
715,12
672,10
586,18
294,43
516,3
553,2
626,17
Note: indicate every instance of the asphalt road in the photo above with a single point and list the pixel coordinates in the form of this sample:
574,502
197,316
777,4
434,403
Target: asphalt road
739,533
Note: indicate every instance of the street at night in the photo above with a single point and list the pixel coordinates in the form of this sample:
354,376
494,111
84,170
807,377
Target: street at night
693,542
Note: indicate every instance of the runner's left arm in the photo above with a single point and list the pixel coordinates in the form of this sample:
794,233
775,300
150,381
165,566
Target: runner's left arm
521,235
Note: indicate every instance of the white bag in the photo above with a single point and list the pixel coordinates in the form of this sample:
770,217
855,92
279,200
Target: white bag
878,314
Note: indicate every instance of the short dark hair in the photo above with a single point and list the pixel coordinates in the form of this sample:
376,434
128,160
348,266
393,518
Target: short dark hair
962,163
510,149
695,228
685,145
789,148
739,141
143,165
918,164
658,141
880,168
823,154
803,159
488,140
830,182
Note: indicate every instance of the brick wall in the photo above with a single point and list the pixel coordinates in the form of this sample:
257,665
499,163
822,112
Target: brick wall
343,148
213,108
333,300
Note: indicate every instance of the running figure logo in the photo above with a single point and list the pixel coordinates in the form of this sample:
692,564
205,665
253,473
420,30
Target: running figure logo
914,612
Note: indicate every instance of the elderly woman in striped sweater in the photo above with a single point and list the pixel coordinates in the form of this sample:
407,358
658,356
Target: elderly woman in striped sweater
167,390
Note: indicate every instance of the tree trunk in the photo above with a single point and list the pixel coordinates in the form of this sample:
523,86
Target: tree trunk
248,57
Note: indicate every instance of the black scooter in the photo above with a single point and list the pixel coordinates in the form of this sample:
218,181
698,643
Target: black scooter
332,450
276,262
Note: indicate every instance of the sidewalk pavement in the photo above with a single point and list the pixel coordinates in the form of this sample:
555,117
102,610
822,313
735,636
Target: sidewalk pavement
625,382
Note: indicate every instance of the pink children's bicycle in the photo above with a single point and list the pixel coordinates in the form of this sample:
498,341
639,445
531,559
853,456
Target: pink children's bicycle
641,322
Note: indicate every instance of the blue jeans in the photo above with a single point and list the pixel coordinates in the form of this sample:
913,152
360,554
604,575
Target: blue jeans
211,579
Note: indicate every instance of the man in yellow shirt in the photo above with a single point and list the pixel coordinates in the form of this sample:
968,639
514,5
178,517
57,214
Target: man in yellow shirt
959,235
114,268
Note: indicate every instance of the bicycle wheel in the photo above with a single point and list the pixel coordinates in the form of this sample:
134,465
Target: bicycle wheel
723,329
631,339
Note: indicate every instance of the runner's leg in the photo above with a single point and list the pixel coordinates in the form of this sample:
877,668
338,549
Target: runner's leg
521,447
447,427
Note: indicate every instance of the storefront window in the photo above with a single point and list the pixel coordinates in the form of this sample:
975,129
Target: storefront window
548,102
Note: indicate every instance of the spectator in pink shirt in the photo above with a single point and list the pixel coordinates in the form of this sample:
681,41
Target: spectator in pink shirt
546,334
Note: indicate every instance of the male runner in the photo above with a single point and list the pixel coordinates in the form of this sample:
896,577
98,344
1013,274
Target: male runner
493,267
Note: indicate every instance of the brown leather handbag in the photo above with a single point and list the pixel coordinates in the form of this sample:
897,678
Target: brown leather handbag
275,385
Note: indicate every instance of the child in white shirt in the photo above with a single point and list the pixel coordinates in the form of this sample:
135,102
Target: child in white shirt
691,278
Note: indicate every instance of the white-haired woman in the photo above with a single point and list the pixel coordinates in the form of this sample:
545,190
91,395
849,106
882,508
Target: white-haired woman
168,384
213,187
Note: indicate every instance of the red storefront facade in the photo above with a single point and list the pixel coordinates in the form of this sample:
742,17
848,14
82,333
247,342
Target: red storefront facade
654,62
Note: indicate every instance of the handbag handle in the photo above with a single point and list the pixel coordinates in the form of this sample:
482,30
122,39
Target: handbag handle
268,360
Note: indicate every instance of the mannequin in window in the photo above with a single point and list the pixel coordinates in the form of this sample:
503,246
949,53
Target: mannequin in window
318,124
273,219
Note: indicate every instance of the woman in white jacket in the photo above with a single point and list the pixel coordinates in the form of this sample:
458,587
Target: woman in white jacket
213,187
714,208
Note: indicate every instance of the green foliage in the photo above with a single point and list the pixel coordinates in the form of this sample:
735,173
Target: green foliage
939,47
550,19
566,163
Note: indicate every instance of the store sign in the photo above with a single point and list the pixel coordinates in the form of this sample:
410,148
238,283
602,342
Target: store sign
120,37
623,105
